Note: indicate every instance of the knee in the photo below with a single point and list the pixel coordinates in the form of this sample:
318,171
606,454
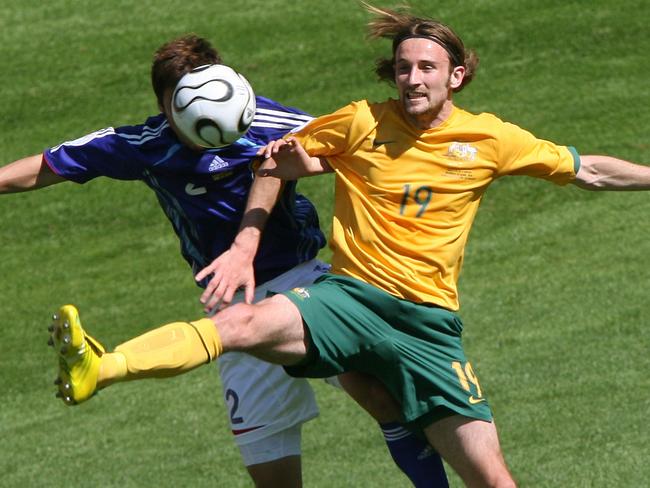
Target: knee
236,327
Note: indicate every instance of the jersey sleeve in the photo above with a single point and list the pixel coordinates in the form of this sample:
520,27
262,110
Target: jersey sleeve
100,153
521,153
340,132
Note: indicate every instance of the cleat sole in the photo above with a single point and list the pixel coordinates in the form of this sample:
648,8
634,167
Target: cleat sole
78,356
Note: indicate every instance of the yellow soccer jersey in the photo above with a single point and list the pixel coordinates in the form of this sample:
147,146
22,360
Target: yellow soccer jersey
406,198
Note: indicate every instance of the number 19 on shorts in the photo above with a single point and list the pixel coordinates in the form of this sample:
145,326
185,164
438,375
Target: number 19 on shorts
466,378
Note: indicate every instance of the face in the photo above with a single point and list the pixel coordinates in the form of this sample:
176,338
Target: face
166,109
425,81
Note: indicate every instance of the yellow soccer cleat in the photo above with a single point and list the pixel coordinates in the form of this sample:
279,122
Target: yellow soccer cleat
79,356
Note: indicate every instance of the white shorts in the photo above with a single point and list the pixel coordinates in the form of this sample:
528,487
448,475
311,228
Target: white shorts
261,399
279,445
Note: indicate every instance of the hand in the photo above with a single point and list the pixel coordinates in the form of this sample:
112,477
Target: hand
285,159
230,272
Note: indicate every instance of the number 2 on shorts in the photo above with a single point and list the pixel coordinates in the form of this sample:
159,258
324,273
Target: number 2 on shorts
232,399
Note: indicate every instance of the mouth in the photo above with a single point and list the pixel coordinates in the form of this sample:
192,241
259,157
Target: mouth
415,95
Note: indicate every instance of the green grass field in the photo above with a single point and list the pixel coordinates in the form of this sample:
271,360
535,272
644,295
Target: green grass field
554,290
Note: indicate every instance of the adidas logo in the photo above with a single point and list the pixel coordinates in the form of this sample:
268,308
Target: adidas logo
216,164
426,452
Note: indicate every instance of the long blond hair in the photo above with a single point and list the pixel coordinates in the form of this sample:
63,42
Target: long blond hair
398,25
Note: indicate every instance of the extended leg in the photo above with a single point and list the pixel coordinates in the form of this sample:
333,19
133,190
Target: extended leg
271,330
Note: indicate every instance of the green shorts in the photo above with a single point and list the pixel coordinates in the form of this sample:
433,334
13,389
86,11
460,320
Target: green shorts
414,349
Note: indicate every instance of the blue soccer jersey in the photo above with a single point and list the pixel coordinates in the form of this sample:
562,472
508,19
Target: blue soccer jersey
202,193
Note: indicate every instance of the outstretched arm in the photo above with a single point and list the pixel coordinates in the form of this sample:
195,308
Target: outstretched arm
26,174
608,173
288,160
234,268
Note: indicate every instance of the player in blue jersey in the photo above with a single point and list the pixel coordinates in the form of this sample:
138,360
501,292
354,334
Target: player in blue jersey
204,194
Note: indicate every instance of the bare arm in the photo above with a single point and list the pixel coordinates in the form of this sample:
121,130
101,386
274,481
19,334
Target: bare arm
26,174
608,173
288,160
234,268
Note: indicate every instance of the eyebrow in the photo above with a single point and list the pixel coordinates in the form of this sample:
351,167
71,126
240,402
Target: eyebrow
453,57
428,60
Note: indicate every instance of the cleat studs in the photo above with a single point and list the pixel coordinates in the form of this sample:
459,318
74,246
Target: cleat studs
64,349
67,386
57,381
50,328
66,339
55,317
50,342
66,325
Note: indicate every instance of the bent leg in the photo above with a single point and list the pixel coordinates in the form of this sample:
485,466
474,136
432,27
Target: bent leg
472,448
285,472
266,409
412,454
371,395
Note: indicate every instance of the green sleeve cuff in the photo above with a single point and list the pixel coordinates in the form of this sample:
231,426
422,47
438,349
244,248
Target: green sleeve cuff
576,158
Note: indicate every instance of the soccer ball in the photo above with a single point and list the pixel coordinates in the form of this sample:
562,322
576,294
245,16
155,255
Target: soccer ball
213,105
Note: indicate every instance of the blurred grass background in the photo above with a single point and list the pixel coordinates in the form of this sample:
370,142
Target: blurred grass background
554,291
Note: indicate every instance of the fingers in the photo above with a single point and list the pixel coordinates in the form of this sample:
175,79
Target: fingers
249,292
276,146
204,272
211,268
220,292
220,299
209,288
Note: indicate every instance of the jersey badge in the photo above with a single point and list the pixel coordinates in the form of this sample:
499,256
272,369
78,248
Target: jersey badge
462,151
302,293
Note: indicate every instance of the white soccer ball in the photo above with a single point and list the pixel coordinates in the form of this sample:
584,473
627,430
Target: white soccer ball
213,105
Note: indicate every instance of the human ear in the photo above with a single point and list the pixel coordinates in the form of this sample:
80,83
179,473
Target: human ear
456,77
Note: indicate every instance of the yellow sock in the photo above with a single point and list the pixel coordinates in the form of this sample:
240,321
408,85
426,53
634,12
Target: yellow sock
166,351
112,368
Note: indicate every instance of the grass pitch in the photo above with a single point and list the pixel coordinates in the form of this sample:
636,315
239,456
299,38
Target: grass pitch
554,289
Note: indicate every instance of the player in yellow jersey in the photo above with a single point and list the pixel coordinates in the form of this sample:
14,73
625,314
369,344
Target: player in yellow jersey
410,174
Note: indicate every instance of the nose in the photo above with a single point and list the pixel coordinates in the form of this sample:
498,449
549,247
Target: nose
414,76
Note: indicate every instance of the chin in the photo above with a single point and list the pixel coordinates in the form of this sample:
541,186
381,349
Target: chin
416,110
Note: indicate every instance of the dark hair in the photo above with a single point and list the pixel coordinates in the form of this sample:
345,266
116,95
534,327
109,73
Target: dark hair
177,57
399,25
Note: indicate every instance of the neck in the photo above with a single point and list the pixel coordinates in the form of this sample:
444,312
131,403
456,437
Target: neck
432,118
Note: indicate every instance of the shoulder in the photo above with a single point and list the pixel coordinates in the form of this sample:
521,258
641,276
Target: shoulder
485,123
362,111
264,103
154,130
273,120
485,118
